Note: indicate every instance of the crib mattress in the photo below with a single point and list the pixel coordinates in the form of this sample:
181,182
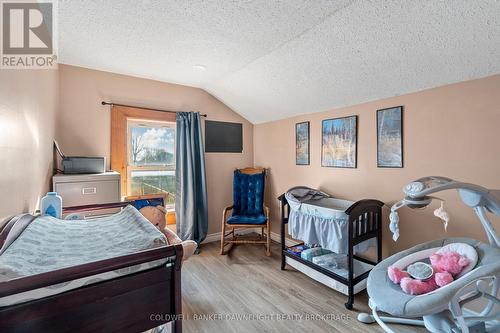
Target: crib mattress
316,218
47,244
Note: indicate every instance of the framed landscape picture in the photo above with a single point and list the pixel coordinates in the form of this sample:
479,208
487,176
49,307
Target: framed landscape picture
302,143
390,137
339,142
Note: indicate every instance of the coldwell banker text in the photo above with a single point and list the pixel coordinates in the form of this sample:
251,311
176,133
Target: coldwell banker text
28,35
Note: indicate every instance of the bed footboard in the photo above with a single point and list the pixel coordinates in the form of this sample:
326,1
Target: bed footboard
131,303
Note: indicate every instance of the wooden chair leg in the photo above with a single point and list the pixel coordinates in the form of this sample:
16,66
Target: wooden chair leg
222,240
262,233
268,244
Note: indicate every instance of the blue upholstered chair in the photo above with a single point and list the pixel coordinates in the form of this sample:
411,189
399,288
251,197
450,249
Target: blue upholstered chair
248,210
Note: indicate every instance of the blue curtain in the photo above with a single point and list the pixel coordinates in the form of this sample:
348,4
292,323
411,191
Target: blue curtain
191,200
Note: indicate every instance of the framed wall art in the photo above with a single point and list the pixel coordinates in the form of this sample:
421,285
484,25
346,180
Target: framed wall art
302,143
390,137
339,142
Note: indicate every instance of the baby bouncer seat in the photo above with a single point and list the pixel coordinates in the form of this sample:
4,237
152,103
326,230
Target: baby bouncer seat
444,309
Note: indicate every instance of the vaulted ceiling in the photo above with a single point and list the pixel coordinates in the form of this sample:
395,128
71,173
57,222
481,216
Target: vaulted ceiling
273,59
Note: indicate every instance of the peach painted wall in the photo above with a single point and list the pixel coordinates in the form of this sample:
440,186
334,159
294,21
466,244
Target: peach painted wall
451,131
28,106
84,124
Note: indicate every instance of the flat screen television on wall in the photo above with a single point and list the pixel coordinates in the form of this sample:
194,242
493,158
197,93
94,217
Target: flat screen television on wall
223,137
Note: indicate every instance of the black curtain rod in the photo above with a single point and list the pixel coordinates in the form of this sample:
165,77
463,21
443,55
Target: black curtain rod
142,108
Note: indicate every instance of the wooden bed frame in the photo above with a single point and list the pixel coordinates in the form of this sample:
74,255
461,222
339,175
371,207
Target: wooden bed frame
131,303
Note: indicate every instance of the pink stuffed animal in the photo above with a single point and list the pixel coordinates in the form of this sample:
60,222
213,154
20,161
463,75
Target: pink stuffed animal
396,275
451,262
417,287
446,266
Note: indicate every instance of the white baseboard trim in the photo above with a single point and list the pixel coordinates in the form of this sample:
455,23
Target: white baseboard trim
215,237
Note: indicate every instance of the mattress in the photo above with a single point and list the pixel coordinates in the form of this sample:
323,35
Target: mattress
319,219
47,244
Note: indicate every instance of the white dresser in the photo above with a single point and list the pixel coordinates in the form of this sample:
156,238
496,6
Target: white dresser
77,190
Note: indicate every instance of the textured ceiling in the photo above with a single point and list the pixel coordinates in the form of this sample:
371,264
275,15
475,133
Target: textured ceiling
273,59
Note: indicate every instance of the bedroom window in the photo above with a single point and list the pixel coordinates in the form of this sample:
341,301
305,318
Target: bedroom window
143,151
151,158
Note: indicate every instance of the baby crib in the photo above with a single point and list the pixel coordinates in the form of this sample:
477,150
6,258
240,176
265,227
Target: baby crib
356,224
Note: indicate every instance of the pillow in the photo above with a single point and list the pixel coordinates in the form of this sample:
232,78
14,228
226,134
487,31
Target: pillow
17,225
156,215
188,246
172,237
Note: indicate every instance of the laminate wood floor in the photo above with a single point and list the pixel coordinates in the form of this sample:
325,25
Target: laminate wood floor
245,291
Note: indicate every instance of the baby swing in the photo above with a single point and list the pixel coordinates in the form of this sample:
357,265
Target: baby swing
442,310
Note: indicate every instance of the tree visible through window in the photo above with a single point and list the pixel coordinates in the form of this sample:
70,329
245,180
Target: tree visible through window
151,158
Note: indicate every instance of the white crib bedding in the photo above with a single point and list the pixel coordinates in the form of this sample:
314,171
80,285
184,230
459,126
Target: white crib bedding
316,218
48,244
327,208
